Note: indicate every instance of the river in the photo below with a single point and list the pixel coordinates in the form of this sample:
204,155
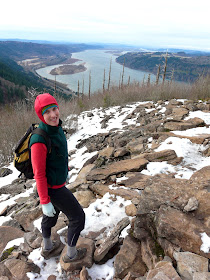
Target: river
95,61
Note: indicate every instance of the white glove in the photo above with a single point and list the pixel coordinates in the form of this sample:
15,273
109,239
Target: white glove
48,209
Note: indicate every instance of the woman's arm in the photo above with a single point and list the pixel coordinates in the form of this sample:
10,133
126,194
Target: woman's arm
38,159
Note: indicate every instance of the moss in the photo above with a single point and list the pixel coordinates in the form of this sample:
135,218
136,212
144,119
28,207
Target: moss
158,250
6,253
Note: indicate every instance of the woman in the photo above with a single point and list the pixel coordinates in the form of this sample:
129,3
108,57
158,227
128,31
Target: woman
50,172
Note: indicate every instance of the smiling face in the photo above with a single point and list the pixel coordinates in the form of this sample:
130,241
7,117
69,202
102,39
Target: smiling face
51,116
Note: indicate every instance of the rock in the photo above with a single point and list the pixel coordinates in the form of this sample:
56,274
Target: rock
129,259
183,125
168,247
33,239
4,211
174,102
84,171
131,210
149,252
13,189
103,189
5,172
202,174
192,205
121,152
189,263
196,122
111,240
84,274
163,271
179,113
94,235
7,234
81,178
85,198
87,261
135,180
201,275
165,155
106,152
51,277
135,147
4,272
181,229
26,217
116,168
200,139
19,268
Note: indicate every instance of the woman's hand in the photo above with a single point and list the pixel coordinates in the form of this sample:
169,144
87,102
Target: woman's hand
48,209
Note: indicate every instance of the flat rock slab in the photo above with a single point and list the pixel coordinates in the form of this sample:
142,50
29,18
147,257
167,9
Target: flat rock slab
110,240
115,168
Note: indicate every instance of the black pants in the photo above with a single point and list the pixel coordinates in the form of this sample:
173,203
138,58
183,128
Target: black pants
63,200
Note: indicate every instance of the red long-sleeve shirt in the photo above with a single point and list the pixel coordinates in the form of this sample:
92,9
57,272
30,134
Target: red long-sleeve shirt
38,159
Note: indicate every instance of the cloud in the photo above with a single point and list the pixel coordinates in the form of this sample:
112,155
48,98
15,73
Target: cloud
133,21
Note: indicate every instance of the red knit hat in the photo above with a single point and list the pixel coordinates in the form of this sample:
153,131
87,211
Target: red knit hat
42,101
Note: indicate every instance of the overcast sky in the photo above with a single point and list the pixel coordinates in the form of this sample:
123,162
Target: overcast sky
163,23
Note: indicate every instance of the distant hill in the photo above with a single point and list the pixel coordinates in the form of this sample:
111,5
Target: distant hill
23,50
186,67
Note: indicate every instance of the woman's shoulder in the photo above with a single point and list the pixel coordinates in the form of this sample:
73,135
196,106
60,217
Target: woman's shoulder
36,138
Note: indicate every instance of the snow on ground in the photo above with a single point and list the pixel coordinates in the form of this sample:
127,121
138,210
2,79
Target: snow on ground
192,158
106,212
205,247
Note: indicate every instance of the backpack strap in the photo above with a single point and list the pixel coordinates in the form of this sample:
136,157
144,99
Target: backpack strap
44,134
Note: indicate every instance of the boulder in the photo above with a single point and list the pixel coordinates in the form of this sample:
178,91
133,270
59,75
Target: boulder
160,211
183,125
115,168
19,268
181,229
33,239
189,263
179,113
163,271
201,276
129,259
85,198
7,234
26,217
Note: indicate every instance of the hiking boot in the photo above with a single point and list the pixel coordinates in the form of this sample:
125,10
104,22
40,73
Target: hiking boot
81,252
47,254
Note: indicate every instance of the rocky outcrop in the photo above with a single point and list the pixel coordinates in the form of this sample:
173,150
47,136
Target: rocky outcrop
161,237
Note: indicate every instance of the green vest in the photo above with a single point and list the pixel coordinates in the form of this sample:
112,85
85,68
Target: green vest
57,159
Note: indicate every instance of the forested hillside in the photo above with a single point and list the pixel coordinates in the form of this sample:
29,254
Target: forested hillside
16,80
185,67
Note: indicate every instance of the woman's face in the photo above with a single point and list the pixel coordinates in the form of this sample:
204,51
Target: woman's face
51,116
